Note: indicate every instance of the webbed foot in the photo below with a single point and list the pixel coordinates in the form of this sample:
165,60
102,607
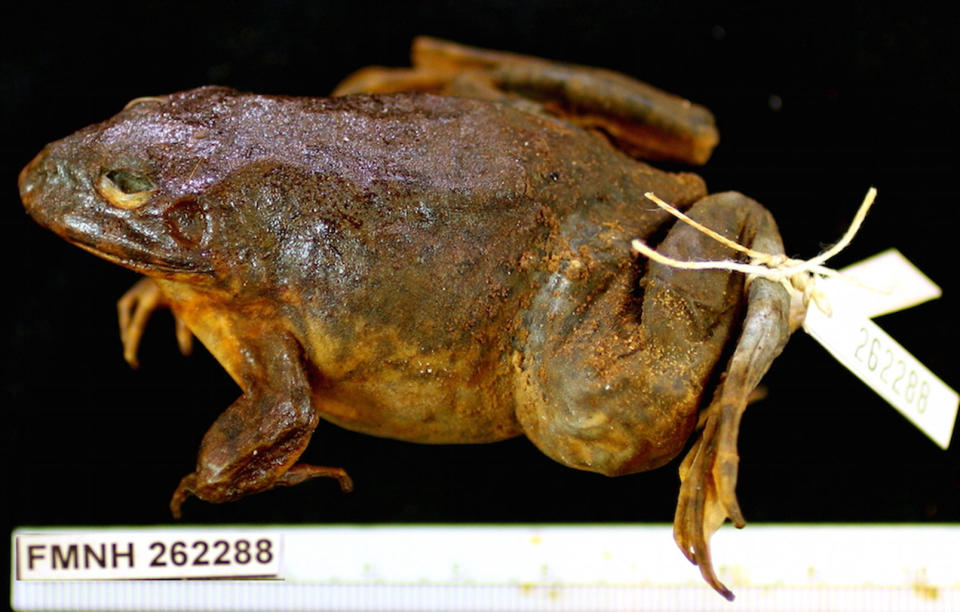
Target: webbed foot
708,477
644,121
190,485
708,473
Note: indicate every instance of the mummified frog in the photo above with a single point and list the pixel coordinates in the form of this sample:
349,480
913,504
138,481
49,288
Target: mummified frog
449,264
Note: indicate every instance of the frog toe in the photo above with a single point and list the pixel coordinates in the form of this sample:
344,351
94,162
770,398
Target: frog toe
708,473
303,471
184,490
377,79
184,336
196,485
706,500
134,310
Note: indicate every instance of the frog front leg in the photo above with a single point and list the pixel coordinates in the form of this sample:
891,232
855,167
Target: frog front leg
134,309
616,365
254,445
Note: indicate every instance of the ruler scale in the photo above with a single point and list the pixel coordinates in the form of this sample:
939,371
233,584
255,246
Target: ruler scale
620,567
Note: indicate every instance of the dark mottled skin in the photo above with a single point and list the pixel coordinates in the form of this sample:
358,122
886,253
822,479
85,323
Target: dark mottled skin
427,268
399,240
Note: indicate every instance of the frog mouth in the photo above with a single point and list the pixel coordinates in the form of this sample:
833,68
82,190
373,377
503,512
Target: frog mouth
144,267
139,260
42,183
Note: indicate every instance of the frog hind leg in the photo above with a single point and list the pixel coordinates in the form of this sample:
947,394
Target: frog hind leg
254,445
603,389
708,473
644,121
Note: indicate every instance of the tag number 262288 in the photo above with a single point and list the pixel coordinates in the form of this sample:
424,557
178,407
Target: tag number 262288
218,552
892,370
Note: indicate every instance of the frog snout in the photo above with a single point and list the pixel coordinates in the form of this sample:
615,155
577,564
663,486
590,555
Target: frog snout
32,177
50,187
41,185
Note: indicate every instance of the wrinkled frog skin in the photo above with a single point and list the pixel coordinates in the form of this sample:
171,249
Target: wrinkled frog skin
433,268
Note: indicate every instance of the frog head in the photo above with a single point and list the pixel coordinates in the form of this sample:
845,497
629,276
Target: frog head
135,188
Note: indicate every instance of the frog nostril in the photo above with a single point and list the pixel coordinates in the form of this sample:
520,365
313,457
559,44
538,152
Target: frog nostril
33,174
129,182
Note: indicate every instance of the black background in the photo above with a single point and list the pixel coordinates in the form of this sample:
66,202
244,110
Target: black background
815,103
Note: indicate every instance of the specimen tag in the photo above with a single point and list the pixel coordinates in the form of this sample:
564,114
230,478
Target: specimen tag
887,282
121,554
549,568
879,285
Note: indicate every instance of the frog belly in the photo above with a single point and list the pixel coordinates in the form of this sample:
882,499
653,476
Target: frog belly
425,411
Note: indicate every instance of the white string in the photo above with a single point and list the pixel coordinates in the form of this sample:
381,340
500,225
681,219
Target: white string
794,274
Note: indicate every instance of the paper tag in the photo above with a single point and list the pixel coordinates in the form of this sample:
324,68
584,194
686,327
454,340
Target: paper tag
876,358
879,285
147,553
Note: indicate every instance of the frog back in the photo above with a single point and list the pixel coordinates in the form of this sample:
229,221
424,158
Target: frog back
402,238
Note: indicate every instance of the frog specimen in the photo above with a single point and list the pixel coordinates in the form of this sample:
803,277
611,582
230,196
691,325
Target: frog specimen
441,255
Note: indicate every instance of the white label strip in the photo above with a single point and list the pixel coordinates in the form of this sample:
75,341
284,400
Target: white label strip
878,285
887,368
621,567
147,554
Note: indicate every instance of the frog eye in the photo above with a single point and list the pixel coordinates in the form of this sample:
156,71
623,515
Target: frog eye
125,189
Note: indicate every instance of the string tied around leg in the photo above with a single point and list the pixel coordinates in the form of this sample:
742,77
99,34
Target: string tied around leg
796,275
